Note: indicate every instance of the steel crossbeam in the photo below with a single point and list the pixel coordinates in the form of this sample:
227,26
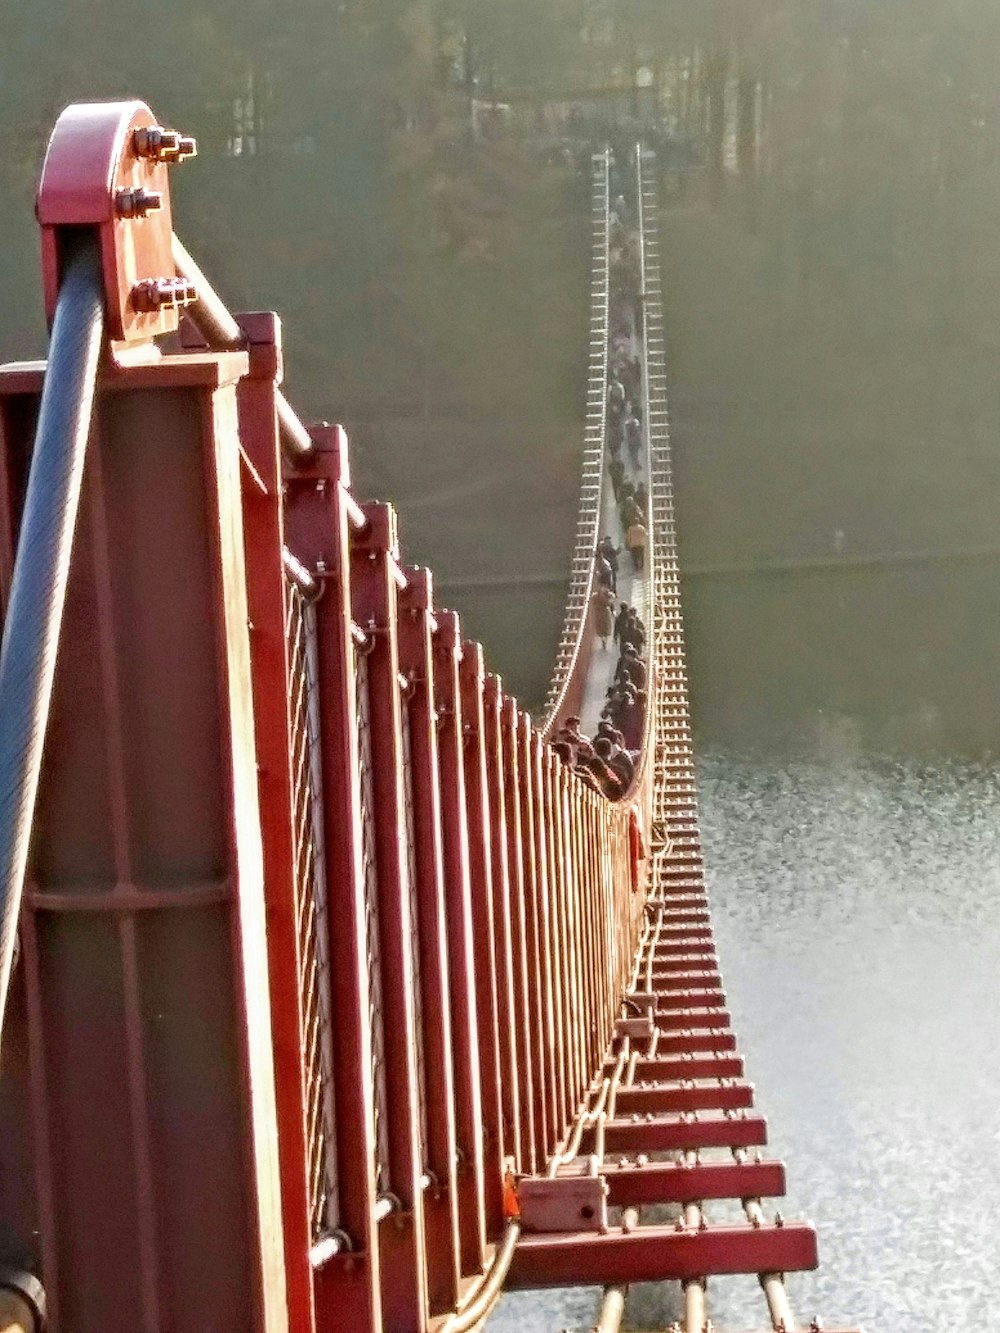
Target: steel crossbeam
650,1253
631,1183
698,1129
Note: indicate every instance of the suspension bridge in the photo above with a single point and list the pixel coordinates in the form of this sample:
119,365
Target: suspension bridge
334,1000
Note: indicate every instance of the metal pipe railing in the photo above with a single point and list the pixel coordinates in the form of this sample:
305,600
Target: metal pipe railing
221,332
41,571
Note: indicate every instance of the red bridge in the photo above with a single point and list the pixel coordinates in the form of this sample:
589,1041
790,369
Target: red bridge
335,997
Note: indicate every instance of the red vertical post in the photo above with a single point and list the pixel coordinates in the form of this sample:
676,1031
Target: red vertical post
540,819
263,525
320,517
462,958
147,1012
532,879
489,946
376,582
519,933
507,1011
416,664
568,796
550,770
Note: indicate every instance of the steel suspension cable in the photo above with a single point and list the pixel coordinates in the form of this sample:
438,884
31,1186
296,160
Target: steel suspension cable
41,571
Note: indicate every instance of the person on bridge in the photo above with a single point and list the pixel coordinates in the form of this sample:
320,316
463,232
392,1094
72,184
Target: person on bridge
611,552
608,780
632,631
603,573
601,604
621,620
632,668
616,397
636,543
632,434
642,496
616,471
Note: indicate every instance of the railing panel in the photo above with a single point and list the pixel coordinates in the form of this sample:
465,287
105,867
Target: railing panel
312,917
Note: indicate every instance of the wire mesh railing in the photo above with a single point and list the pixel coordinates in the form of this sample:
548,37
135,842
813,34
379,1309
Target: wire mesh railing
369,877
311,916
410,862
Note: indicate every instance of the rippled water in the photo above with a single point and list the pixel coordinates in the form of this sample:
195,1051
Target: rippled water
857,912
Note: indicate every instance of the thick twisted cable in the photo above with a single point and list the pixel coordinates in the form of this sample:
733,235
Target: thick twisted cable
41,571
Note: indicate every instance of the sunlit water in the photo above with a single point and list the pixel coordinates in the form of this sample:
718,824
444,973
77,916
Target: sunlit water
857,912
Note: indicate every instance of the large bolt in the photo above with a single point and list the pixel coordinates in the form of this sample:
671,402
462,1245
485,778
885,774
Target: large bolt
161,145
137,203
153,294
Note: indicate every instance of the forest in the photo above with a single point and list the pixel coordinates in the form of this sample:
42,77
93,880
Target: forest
401,180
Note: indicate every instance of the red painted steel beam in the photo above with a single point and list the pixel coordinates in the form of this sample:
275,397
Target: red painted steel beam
416,663
525,1012
656,1254
511,1071
680,981
710,1096
264,538
633,1184
669,1068
376,579
489,948
672,1133
676,1043
691,950
462,961
535,945
320,517
689,999
549,815
692,1020
671,936
149,786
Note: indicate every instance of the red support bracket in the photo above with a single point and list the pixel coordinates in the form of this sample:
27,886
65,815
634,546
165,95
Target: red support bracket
106,168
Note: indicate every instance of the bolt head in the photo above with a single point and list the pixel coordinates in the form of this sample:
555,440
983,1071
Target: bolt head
137,203
154,294
162,145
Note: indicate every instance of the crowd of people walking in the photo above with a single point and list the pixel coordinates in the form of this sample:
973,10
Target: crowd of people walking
607,759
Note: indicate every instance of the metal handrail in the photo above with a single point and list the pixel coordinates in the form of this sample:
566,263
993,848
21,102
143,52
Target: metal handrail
212,319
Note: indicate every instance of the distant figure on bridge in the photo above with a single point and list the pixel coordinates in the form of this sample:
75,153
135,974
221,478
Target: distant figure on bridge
628,511
611,552
603,574
642,497
631,668
621,620
616,398
632,434
636,543
617,759
616,471
633,632
601,604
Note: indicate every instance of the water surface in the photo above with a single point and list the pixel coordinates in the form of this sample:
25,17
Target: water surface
857,913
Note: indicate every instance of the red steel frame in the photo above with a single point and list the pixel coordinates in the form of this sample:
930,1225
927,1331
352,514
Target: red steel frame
479,897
